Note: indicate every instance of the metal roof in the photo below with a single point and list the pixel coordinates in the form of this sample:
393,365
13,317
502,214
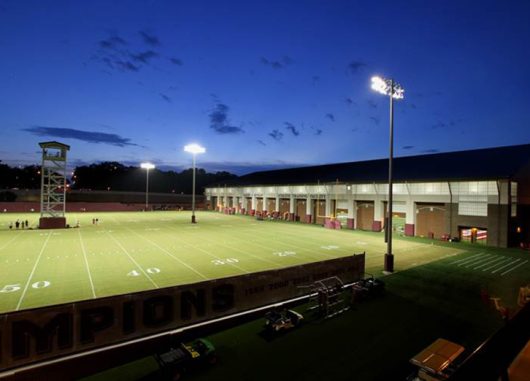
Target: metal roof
480,164
54,144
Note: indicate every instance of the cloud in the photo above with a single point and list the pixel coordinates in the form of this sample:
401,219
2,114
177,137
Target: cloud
276,135
277,64
375,119
165,97
350,102
114,54
124,65
371,103
355,66
144,57
219,120
318,132
87,136
150,39
262,142
176,61
407,147
112,42
330,116
291,127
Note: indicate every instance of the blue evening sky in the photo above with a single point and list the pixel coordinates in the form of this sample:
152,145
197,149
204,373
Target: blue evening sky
261,84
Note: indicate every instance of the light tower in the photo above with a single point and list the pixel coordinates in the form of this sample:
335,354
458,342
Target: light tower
147,167
393,90
53,185
194,149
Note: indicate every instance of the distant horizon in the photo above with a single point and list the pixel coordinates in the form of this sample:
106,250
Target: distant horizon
241,169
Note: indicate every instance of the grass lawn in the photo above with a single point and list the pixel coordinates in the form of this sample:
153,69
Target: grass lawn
134,251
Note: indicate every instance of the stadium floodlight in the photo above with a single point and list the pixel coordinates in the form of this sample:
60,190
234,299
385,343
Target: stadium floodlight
147,167
387,87
194,149
393,90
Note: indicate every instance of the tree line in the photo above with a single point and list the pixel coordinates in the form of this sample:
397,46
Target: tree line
116,176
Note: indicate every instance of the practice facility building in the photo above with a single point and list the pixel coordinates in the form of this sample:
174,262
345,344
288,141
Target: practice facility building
481,196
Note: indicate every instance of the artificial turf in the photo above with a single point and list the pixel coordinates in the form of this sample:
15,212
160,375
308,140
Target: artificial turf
374,340
134,251
436,291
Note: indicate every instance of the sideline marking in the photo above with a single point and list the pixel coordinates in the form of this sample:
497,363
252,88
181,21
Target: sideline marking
465,259
503,262
513,268
86,264
32,272
476,260
511,263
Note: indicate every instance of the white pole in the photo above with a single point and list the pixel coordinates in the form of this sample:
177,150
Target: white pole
147,190
193,194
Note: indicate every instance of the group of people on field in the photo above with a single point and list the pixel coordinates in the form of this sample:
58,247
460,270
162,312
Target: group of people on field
19,224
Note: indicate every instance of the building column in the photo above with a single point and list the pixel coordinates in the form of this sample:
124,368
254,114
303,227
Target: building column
410,218
264,209
254,205
379,215
328,205
308,217
277,204
350,222
292,205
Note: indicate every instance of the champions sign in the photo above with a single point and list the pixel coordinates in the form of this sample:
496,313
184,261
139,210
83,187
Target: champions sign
43,333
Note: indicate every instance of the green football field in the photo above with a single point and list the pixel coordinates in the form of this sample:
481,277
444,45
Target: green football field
127,252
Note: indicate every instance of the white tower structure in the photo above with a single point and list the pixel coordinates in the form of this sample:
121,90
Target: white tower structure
53,185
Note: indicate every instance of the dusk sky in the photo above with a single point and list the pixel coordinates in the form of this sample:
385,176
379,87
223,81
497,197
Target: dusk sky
261,84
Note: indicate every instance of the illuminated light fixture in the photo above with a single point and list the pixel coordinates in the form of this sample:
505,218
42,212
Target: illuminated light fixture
393,90
194,149
147,167
388,86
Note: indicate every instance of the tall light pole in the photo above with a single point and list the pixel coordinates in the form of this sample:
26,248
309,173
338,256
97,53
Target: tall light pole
147,167
194,149
393,90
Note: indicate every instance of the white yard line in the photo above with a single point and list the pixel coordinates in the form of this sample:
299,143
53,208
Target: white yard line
86,264
11,240
490,260
315,254
503,262
171,255
509,264
132,259
475,260
465,259
209,253
32,272
513,268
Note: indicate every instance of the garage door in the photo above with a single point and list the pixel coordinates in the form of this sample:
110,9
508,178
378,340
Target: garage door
365,215
271,205
430,220
300,210
319,211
